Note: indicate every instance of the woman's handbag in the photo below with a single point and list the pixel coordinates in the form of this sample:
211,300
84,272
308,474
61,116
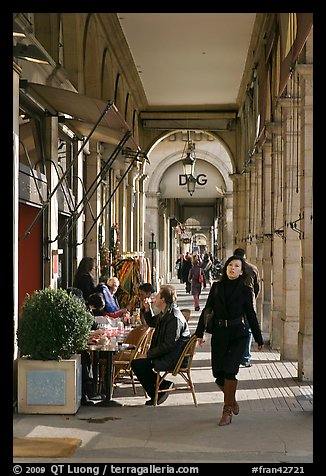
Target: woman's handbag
209,320
200,277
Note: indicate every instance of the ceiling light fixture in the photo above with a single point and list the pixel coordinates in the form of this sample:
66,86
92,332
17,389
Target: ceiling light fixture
188,163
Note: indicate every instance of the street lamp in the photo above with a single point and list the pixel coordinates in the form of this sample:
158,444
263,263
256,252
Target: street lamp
191,184
189,165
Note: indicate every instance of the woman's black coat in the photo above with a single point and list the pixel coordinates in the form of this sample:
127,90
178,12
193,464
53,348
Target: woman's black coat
228,343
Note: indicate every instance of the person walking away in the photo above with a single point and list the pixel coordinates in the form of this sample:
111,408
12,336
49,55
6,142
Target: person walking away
178,267
84,279
168,341
207,268
185,268
231,299
196,285
253,280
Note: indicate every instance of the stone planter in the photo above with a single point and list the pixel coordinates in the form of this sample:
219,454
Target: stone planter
50,386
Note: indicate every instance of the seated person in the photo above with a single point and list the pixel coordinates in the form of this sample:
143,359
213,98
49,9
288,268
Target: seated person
168,341
89,396
108,287
145,290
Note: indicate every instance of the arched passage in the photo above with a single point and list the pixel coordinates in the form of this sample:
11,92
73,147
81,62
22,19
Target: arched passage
167,197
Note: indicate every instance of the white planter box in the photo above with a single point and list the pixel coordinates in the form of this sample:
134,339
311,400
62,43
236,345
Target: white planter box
50,386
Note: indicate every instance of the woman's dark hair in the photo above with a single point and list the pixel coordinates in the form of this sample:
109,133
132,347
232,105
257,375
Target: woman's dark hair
85,267
96,300
228,261
147,288
76,292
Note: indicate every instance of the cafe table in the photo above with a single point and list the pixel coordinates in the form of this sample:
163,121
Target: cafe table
109,350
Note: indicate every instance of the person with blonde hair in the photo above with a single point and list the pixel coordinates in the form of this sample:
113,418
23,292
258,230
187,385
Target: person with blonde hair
108,287
169,338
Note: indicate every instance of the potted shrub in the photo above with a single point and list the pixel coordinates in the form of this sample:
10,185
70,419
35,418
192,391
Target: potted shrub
53,329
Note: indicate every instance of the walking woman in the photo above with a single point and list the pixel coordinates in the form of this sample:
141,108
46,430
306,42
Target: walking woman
197,280
232,301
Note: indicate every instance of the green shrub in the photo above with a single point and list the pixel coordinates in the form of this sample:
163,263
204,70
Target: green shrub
53,325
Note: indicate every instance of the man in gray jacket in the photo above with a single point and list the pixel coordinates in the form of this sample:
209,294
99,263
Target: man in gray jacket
253,280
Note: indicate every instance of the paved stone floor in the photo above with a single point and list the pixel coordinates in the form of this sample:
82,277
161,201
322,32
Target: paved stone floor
275,423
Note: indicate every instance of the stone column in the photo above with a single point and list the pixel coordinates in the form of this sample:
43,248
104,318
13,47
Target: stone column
131,215
266,268
254,250
152,226
15,165
94,194
236,207
51,213
79,194
142,212
228,224
292,243
242,207
277,270
121,209
305,344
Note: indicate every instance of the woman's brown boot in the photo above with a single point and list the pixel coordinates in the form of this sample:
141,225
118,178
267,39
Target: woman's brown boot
235,406
230,387
226,416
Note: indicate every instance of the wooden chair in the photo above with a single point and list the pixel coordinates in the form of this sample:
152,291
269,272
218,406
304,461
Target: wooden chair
122,360
180,369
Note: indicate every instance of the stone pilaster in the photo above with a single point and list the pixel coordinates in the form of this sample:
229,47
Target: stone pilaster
305,341
236,178
228,224
93,168
15,165
255,254
142,212
266,266
152,225
278,235
292,243
51,212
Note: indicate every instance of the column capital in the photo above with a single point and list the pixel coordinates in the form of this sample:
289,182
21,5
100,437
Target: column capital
305,70
274,127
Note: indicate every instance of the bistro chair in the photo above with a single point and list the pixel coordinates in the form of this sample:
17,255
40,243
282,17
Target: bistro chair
138,338
182,368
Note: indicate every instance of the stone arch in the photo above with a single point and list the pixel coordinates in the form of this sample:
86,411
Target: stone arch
162,156
107,76
119,93
91,58
70,56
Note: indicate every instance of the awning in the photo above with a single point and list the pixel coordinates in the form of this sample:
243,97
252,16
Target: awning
86,112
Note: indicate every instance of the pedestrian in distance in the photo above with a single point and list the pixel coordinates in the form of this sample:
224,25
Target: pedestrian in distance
197,281
231,299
